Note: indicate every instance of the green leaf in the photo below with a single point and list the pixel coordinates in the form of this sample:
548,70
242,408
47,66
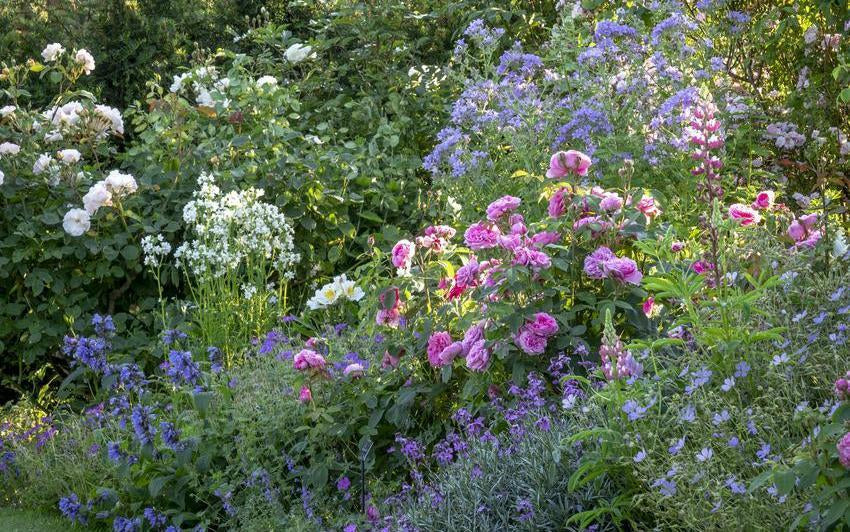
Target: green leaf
157,484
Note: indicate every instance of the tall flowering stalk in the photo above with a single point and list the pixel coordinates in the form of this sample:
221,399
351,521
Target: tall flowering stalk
704,135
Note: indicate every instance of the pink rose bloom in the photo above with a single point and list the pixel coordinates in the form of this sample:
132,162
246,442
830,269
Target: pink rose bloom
308,359
510,242
593,263
743,214
389,361
533,258
530,343
611,202
403,254
390,317
543,324
467,275
354,370
478,357
842,386
810,241
604,225
545,238
623,270
452,351
519,228
844,450
436,343
796,231
648,207
764,200
481,236
565,162
502,206
809,221
305,396
440,231
676,247
558,202
475,333
312,342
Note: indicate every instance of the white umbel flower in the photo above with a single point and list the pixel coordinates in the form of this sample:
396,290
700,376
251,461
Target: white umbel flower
52,52
76,222
85,59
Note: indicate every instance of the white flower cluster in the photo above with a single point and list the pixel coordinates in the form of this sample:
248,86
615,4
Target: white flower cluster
232,230
340,289
155,248
209,89
52,52
101,194
73,117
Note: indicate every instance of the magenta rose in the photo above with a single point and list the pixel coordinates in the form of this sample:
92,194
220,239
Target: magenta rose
544,238
502,206
843,447
558,202
542,324
566,162
403,254
481,236
467,275
764,200
478,356
611,201
593,263
530,343
305,395
452,351
436,343
743,214
623,270
603,224
677,246
308,359
473,334
531,257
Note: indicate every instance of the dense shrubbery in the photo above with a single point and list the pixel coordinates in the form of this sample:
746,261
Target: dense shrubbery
610,293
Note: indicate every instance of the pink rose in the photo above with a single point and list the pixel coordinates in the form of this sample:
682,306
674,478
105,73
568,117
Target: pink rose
452,351
810,241
623,270
796,231
308,359
354,370
305,396
478,357
440,231
611,201
510,242
764,200
473,334
502,206
809,221
843,447
543,324
603,224
436,343
403,254
530,343
519,228
467,275
676,247
565,162
533,258
648,207
545,238
558,202
744,214
481,236
389,361
593,262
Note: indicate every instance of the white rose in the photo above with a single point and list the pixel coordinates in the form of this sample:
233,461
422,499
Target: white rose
52,52
7,110
111,115
98,196
69,156
9,148
267,80
299,52
76,222
41,164
85,59
121,184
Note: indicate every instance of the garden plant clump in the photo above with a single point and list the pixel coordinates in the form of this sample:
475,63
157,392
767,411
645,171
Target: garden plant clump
428,266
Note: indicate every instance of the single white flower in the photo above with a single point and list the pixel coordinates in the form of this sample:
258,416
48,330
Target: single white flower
299,52
111,115
52,52
839,245
70,156
53,136
811,34
120,184
7,110
177,82
76,222
41,164
85,59
267,80
9,148
348,289
2,177
98,196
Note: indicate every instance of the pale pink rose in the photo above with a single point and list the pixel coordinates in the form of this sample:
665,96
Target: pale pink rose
623,270
648,206
481,236
305,395
403,254
545,238
308,359
593,263
743,214
440,231
565,162
611,201
530,343
542,324
603,224
436,343
390,317
354,370
502,206
467,275
452,351
531,257
510,242
478,357
764,200
436,238
558,202
472,335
